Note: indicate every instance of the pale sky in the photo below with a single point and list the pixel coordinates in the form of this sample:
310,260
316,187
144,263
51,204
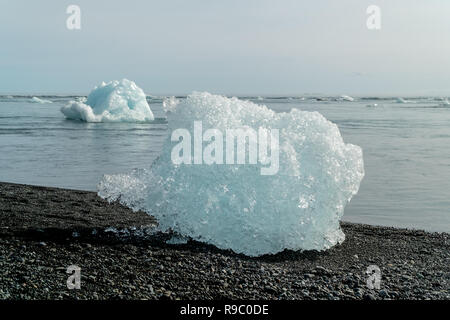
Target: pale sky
227,46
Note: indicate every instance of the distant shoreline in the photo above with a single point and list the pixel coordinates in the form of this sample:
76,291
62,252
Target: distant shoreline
43,230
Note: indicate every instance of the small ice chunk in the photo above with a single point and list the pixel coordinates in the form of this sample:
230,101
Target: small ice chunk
39,100
347,98
115,101
111,230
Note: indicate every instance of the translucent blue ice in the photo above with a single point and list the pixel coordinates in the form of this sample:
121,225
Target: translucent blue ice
234,206
121,101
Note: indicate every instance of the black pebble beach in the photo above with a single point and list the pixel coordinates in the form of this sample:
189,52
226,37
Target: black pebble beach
45,230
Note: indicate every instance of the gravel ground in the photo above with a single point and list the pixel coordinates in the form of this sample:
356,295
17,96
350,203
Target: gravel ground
45,230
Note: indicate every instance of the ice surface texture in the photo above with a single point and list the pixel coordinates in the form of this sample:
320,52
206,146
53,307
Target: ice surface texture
121,101
234,206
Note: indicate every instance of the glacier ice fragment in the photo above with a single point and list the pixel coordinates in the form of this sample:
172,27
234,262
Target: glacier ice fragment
234,206
115,101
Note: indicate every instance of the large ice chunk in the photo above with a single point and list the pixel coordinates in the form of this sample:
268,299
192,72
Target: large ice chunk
121,101
234,206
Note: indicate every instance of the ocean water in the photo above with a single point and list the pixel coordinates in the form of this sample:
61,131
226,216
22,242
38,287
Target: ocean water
405,145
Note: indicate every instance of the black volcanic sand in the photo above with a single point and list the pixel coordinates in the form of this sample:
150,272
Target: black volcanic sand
45,230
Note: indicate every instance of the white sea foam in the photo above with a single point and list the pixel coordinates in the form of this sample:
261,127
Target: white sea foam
115,101
234,206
